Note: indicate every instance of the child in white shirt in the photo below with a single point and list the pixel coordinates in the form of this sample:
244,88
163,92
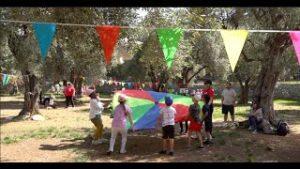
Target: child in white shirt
167,115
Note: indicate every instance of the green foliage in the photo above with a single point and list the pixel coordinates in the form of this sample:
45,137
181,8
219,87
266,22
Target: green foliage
80,49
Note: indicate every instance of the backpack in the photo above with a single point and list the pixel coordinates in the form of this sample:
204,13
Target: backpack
282,128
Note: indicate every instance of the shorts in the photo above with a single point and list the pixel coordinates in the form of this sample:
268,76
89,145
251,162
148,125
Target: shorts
208,125
194,126
168,132
227,108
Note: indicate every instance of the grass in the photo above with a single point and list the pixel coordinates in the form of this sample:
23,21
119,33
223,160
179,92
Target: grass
291,102
43,133
75,124
81,157
289,82
241,111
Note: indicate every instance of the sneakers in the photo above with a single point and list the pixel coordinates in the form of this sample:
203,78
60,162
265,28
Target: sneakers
194,137
207,142
99,141
201,147
165,152
103,140
254,132
250,128
171,153
96,142
110,152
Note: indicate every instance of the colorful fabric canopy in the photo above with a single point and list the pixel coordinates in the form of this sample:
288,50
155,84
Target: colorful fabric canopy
146,112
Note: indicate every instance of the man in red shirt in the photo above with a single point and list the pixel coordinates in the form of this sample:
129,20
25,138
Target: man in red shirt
69,92
209,91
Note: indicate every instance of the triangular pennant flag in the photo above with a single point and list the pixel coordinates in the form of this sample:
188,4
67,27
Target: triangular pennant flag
169,40
5,79
295,36
234,41
108,36
44,33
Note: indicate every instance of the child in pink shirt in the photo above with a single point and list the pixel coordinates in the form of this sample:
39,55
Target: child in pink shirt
121,113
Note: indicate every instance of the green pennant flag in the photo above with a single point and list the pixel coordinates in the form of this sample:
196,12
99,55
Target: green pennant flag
169,39
5,79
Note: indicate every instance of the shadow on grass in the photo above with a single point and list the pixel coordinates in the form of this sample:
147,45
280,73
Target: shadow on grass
84,147
13,105
138,146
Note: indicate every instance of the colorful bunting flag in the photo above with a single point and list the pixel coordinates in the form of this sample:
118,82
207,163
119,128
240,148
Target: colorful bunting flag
234,41
108,36
295,36
5,79
169,40
44,33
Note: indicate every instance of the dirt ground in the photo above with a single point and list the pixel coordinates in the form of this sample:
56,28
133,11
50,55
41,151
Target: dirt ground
65,137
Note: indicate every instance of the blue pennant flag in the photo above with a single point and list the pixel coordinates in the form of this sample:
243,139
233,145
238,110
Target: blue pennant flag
44,33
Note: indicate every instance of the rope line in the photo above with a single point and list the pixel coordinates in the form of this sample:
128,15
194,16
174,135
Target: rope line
135,27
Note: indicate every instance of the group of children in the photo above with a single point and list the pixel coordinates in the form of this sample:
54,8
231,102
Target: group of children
197,117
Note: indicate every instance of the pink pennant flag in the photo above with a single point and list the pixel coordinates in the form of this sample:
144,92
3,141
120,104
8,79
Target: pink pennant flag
295,36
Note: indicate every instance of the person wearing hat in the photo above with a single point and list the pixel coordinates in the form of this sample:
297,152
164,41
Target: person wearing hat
167,117
121,113
195,121
96,109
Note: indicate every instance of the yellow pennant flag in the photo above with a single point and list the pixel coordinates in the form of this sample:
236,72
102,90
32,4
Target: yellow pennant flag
234,41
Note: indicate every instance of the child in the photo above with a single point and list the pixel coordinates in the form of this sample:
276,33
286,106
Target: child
209,90
167,115
48,101
196,123
121,112
96,108
207,118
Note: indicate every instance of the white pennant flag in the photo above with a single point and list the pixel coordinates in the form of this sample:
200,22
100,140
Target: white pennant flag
234,41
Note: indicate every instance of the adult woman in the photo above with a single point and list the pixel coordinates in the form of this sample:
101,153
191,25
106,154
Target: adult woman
255,117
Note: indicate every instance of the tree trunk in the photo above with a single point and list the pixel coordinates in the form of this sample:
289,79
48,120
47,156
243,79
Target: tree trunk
79,86
31,95
271,68
244,95
153,78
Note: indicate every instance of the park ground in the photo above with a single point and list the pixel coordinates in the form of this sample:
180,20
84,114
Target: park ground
65,137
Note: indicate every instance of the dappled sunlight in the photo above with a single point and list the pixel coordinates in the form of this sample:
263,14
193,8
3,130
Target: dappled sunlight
65,136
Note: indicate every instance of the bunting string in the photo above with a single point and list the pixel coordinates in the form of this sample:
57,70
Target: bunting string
136,27
13,75
169,38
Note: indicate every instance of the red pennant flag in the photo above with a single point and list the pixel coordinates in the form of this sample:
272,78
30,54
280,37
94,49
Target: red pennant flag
108,36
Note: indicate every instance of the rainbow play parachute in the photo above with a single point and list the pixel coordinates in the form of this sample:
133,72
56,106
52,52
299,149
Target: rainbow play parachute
146,112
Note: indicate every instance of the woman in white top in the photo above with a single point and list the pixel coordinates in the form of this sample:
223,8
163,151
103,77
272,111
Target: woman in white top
96,109
255,117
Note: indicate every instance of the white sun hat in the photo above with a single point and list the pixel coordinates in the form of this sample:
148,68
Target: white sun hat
122,97
89,91
198,96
